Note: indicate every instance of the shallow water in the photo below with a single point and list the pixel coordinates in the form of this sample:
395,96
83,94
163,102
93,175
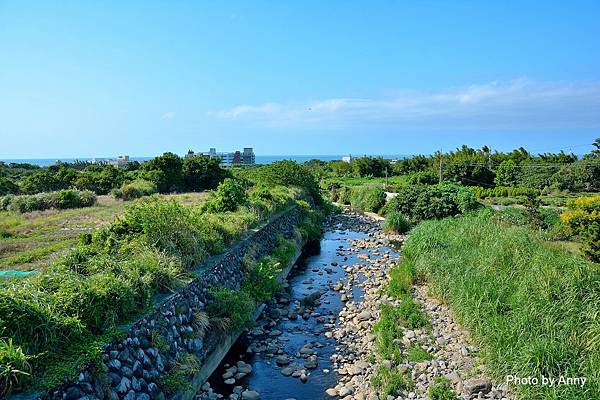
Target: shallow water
266,376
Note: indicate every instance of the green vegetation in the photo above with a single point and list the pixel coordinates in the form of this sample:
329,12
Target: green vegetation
114,272
431,202
230,309
135,189
396,222
503,191
367,198
417,354
62,199
33,241
165,173
583,217
178,378
441,390
526,302
389,382
388,332
14,364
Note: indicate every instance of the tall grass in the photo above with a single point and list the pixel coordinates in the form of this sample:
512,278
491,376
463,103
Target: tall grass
534,308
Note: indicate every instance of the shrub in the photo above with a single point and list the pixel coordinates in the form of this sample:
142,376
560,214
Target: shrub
63,199
583,217
367,198
396,222
261,280
165,224
422,178
230,310
230,195
287,173
344,195
7,186
432,202
136,189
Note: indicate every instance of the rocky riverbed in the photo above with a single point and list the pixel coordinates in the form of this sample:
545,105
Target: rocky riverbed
315,340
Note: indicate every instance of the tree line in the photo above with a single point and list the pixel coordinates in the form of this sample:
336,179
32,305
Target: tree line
479,167
166,173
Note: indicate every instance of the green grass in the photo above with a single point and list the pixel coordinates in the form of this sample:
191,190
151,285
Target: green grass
389,382
441,390
34,240
389,331
531,306
417,354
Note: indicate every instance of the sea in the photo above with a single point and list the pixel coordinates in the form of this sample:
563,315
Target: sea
260,159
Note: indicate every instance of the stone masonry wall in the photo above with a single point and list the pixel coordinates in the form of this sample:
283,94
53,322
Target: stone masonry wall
134,364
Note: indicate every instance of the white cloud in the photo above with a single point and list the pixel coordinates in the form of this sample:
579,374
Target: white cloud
168,115
520,103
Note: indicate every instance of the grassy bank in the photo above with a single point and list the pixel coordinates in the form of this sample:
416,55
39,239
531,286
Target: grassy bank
31,241
532,307
65,310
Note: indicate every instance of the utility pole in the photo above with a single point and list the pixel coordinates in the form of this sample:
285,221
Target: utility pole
386,178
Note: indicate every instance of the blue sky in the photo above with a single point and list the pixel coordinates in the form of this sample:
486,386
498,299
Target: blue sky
84,79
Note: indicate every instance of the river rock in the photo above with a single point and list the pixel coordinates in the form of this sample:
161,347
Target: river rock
250,395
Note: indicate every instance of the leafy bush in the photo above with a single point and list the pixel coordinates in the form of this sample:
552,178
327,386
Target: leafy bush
100,179
261,280
287,173
8,186
165,224
526,302
422,178
63,199
230,195
367,198
583,217
432,202
136,189
396,222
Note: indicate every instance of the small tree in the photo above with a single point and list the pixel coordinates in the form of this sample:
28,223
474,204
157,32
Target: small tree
507,174
202,172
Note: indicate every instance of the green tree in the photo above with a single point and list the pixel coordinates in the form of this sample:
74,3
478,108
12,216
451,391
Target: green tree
100,179
8,186
230,194
341,168
288,173
202,172
40,181
370,166
170,165
507,174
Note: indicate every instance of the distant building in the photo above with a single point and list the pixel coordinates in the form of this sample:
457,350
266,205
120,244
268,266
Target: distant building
347,158
234,158
118,162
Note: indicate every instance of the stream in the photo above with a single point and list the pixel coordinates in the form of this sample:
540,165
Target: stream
292,351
